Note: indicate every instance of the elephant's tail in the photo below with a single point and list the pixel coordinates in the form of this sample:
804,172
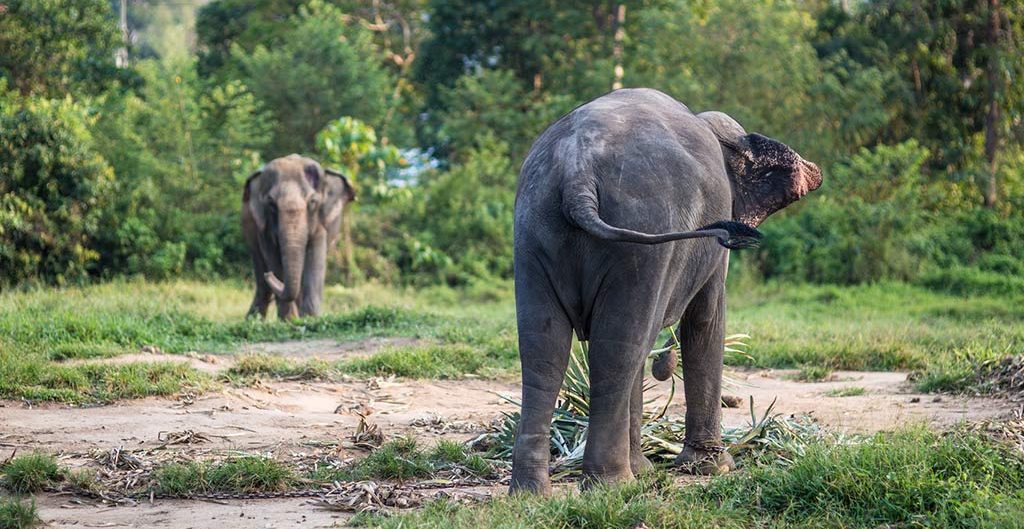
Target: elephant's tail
579,203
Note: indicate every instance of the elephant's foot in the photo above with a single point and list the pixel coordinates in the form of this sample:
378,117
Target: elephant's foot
256,311
530,464
595,474
704,462
533,480
639,464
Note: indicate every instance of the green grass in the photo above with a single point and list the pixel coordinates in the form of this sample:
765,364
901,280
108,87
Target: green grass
812,373
18,514
402,459
847,391
876,327
254,366
244,474
29,473
872,327
433,361
913,478
45,329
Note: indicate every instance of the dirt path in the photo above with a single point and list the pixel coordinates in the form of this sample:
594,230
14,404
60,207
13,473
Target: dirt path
293,419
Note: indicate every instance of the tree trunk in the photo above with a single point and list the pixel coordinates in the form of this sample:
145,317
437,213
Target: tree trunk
991,186
620,34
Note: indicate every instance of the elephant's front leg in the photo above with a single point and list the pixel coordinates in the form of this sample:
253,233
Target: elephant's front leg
261,299
313,275
703,336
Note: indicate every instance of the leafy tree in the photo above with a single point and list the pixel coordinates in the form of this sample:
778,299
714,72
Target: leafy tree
466,215
492,103
53,47
53,188
222,25
567,46
754,60
181,150
959,74
322,68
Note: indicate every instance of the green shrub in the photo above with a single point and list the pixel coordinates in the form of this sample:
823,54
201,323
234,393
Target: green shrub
54,187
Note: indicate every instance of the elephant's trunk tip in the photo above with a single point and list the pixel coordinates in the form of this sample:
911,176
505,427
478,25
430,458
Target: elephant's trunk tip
275,284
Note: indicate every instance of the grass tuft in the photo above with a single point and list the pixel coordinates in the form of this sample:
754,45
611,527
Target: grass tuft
260,365
243,475
846,391
18,514
812,373
403,459
30,473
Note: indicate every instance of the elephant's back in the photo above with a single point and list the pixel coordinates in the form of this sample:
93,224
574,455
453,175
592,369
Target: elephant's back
656,167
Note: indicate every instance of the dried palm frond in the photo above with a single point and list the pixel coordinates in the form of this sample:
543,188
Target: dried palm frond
767,436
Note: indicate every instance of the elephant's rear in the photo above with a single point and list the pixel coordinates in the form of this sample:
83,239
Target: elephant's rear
638,152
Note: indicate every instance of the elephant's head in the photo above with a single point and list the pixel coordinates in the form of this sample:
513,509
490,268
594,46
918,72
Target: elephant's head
766,174
290,200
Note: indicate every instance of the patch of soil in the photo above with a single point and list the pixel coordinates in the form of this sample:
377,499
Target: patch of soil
887,403
307,419
60,512
329,350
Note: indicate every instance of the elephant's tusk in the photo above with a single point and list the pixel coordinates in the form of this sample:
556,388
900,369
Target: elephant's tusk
274,283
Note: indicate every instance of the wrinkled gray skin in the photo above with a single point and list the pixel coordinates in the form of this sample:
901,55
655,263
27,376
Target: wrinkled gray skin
291,216
594,188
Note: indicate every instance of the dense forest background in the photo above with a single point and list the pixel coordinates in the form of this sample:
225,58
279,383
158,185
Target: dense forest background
128,127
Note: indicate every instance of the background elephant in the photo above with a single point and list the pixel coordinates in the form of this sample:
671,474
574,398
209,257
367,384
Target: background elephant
600,195
291,216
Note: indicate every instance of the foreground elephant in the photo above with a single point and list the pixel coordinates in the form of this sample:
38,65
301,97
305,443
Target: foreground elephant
601,196
291,215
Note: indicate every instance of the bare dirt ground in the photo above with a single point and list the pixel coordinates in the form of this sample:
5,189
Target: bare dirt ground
292,420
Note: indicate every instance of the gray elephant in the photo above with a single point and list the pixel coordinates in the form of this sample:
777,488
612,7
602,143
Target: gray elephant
601,196
291,216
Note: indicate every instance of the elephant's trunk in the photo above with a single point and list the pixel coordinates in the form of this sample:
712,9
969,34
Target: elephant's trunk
293,239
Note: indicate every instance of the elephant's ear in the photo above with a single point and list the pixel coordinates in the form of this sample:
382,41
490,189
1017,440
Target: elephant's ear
251,203
338,191
766,175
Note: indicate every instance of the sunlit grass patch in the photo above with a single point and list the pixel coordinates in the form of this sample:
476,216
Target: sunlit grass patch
885,327
423,361
812,373
252,366
16,513
30,473
32,377
846,391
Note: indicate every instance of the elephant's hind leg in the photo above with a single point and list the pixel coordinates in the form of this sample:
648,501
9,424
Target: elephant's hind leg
614,368
545,336
638,462
702,331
